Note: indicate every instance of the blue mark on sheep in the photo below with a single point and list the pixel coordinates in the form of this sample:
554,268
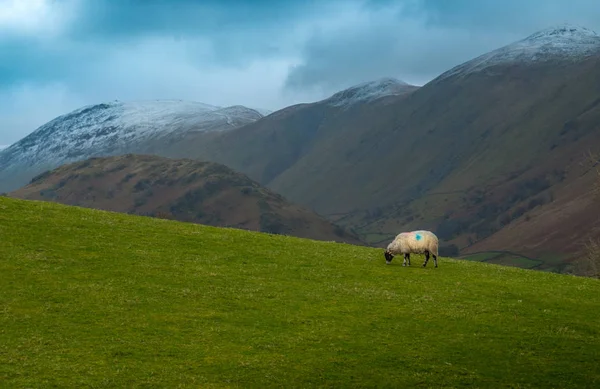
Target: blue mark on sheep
418,236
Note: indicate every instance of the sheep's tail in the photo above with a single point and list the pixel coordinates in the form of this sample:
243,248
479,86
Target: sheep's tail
433,243
437,248
436,245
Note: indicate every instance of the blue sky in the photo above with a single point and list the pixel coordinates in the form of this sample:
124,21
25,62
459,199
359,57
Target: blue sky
57,55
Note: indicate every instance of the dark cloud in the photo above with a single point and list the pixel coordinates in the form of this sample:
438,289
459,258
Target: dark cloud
239,31
68,53
107,18
23,59
266,54
418,40
514,15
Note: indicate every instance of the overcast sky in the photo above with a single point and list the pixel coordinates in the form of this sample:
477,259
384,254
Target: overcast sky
57,55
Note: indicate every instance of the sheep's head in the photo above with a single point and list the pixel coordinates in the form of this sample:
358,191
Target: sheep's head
388,257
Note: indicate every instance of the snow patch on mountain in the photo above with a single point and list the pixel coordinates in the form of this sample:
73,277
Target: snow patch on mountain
2,147
116,127
564,41
369,91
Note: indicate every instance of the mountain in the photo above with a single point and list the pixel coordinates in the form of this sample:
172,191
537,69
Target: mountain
487,145
184,190
2,147
113,128
369,91
266,149
562,42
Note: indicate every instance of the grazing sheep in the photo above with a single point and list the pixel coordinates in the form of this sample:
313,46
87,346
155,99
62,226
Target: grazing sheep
414,242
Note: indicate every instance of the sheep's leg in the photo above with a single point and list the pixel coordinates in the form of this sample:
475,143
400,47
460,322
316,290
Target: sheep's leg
426,258
406,256
435,260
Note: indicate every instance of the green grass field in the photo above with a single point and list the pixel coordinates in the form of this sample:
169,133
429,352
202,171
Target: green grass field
91,299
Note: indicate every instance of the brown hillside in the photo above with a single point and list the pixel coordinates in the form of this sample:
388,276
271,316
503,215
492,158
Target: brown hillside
554,232
185,190
267,148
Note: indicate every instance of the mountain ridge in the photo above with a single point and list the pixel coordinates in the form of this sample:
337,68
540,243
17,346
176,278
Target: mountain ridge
560,42
369,91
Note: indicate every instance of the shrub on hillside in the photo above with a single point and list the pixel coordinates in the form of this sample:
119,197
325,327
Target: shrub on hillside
117,168
450,228
162,215
189,203
590,265
40,176
339,231
271,223
48,193
138,202
128,177
246,190
142,185
450,250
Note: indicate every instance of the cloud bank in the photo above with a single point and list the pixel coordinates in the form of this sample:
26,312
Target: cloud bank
57,55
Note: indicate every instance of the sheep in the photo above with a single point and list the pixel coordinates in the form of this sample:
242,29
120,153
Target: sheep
414,242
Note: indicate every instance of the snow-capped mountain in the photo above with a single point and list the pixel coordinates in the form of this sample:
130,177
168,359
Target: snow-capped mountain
565,42
2,147
114,128
369,91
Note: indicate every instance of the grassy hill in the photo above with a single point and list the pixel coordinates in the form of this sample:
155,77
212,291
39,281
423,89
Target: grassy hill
96,299
180,189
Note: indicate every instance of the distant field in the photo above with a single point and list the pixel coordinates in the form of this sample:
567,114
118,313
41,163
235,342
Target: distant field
515,260
506,259
377,238
104,300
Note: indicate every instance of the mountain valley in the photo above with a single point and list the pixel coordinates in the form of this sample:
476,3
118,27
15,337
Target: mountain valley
490,155
469,154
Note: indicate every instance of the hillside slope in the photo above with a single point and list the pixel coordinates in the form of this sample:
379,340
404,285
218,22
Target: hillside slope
465,155
91,298
185,190
113,128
